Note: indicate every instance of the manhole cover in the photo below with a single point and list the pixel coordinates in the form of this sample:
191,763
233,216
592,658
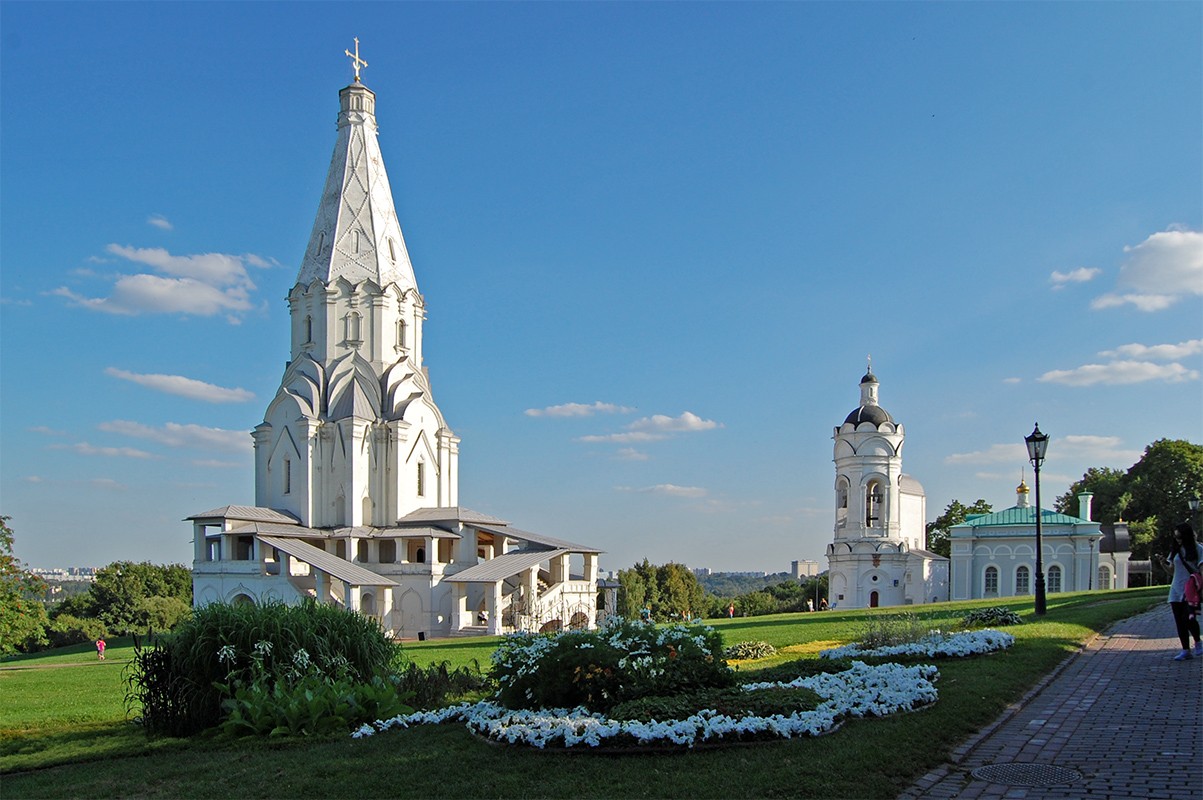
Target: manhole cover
1026,774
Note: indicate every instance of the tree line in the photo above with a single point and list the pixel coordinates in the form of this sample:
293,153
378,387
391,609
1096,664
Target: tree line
125,597
671,592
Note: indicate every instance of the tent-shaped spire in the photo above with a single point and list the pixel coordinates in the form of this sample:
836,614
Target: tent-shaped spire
356,234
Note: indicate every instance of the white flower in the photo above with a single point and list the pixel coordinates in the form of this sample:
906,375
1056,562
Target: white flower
860,691
934,645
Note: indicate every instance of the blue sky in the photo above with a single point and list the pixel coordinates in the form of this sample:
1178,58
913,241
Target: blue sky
656,241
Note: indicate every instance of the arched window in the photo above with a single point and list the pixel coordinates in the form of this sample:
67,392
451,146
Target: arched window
990,582
421,479
1023,580
841,503
351,327
873,503
361,551
1054,578
388,551
367,603
874,599
1104,578
308,330
401,333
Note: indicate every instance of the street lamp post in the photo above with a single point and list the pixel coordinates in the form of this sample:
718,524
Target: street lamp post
1193,503
1037,446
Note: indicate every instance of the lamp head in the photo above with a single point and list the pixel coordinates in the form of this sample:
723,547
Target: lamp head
1037,444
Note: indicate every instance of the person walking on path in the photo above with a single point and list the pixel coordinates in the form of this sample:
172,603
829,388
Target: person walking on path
100,645
1184,559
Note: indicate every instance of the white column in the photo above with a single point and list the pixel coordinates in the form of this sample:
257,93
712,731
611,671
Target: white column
494,605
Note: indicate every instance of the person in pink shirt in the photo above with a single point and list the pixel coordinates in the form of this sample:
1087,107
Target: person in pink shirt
100,645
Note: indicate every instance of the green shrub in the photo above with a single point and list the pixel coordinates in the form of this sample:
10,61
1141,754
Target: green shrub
174,681
991,617
731,701
743,651
68,629
891,630
622,661
792,670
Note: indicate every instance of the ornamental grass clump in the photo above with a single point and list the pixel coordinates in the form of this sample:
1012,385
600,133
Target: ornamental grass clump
624,660
991,617
743,651
891,630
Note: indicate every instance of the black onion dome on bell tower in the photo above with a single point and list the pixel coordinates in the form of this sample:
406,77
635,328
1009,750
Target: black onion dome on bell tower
868,410
874,414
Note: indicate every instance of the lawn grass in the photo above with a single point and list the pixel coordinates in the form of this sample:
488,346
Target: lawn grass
865,758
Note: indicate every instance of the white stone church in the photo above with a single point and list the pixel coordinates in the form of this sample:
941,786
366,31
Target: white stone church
877,556
356,470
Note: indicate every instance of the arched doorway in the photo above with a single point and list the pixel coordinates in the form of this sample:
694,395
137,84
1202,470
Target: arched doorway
873,599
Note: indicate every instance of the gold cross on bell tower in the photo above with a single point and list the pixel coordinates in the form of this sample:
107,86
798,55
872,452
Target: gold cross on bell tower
356,61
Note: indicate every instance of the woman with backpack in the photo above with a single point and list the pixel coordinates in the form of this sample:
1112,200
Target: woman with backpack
1185,560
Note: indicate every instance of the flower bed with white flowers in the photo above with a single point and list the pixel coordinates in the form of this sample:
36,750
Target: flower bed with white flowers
860,691
934,645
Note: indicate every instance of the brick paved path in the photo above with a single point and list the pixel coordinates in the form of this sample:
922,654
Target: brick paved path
1121,714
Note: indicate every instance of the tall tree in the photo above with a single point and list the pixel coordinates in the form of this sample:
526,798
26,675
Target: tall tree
22,616
1111,496
667,592
130,597
954,514
1162,483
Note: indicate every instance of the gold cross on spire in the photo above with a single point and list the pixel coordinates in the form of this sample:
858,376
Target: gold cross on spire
356,61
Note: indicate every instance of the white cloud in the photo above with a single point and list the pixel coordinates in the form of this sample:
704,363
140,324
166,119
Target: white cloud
1060,280
1012,380
1119,373
47,431
687,422
108,484
34,479
1081,447
1161,352
1096,449
214,463
183,387
631,454
667,489
159,221
997,454
623,438
202,285
655,428
85,449
189,436
1159,272
578,410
